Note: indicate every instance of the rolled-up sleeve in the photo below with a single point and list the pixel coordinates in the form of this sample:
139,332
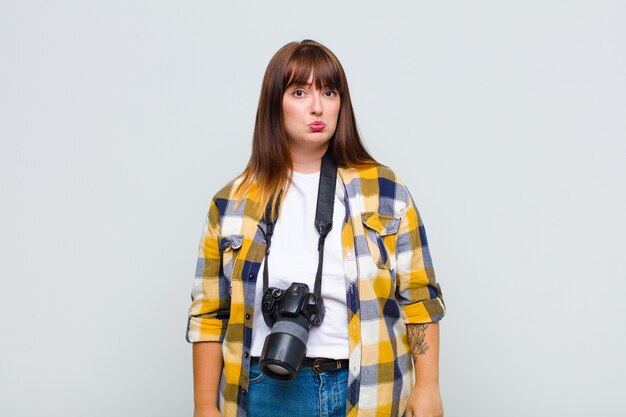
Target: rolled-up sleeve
210,296
418,293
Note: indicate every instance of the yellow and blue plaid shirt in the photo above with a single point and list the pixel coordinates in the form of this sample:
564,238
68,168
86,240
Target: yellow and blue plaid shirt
390,282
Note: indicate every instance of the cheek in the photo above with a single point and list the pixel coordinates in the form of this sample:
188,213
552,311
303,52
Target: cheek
287,117
290,113
336,113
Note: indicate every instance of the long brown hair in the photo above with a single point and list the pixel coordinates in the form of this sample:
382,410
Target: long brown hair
270,163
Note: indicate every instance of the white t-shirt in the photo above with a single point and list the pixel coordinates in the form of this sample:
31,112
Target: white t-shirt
293,258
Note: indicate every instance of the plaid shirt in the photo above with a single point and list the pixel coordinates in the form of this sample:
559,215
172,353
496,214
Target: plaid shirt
390,282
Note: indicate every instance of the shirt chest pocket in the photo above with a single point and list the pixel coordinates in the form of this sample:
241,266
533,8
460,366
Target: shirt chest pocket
230,247
381,232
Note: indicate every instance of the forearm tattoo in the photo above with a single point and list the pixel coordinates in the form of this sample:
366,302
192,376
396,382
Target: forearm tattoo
416,334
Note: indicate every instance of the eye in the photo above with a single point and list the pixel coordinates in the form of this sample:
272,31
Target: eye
299,93
330,93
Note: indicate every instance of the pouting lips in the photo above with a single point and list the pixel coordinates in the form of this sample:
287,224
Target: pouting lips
317,126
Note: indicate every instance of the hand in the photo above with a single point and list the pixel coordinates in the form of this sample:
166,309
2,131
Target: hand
425,401
206,412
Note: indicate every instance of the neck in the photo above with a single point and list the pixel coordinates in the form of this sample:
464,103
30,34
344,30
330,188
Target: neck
308,161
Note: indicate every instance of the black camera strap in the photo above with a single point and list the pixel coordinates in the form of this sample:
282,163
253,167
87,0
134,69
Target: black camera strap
323,218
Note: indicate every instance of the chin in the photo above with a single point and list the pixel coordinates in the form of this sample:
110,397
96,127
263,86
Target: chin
312,144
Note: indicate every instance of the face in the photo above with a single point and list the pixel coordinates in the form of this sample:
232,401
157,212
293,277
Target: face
310,114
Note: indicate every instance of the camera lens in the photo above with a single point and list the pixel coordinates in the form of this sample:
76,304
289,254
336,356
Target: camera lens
277,369
285,348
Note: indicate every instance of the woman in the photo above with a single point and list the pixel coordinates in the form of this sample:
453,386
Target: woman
381,300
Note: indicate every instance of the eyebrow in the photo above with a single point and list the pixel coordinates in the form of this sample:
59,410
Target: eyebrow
296,85
324,86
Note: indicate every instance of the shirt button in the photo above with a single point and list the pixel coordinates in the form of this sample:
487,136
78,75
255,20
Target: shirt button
245,355
250,276
247,316
243,392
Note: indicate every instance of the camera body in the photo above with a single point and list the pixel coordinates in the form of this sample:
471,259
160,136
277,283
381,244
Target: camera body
293,302
290,313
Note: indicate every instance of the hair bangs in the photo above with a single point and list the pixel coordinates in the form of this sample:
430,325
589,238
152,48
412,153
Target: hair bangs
309,62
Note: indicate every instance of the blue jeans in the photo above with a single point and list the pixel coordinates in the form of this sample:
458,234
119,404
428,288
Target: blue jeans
311,394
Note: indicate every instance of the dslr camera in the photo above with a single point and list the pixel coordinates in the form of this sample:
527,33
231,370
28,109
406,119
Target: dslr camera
290,313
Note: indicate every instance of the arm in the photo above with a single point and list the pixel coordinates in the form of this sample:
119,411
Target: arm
421,301
425,398
207,369
208,318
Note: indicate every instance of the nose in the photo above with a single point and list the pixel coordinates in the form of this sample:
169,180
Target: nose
316,103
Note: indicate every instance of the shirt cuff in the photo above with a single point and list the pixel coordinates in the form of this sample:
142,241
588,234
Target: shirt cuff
205,330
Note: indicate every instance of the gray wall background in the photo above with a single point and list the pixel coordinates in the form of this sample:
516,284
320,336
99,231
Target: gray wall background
506,119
